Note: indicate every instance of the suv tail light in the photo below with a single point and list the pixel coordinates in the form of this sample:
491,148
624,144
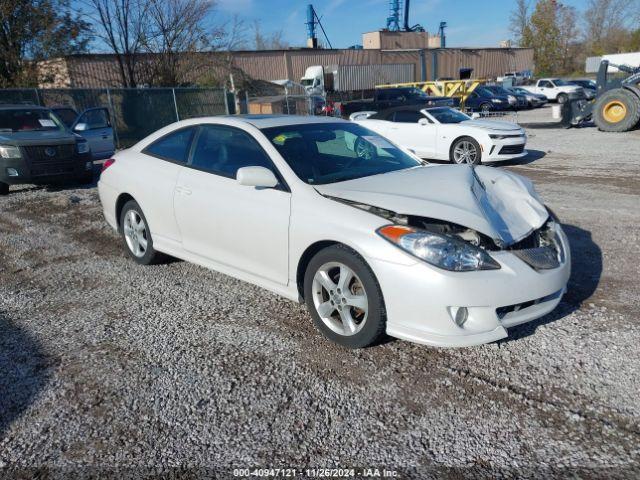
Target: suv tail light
108,163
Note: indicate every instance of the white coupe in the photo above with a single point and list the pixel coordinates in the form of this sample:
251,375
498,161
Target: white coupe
443,133
445,255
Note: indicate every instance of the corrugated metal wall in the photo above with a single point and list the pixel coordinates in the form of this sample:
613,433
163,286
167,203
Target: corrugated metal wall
98,71
366,77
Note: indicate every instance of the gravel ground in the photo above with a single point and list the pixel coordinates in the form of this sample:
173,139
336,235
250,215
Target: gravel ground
108,365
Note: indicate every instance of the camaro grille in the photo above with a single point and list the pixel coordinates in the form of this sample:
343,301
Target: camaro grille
511,149
50,153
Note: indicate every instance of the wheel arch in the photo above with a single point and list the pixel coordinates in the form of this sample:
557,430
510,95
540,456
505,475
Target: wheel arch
460,137
123,198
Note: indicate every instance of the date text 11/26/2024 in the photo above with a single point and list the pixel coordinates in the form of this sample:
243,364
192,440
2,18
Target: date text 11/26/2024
316,472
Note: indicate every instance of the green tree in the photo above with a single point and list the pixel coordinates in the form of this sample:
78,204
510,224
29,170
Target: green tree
32,30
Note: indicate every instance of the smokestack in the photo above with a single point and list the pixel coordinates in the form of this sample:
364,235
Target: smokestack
406,16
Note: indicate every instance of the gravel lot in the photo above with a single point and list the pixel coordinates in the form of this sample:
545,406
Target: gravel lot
106,364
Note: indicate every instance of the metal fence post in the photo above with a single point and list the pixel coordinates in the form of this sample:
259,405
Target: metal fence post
175,104
226,103
112,114
38,97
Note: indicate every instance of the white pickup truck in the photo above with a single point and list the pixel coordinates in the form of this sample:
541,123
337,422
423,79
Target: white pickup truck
553,88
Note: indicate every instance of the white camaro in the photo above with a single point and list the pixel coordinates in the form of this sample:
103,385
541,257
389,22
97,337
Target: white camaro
445,255
443,133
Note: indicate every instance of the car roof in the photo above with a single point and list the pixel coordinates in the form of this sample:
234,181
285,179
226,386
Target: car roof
275,120
18,106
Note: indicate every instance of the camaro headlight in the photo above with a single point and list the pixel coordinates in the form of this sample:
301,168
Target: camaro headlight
9,151
83,147
439,250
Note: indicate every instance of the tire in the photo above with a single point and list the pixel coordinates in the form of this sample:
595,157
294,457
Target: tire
562,98
332,308
486,108
465,144
617,110
4,188
130,218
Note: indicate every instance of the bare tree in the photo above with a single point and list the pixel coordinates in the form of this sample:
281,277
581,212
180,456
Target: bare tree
272,41
175,37
519,20
121,24
605,20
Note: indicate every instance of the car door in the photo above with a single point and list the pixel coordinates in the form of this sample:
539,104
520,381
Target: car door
412,130
245,228
545,87
94,125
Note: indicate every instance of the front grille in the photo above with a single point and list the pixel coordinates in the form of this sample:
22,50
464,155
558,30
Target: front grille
50,153
504,311
511,149
52,169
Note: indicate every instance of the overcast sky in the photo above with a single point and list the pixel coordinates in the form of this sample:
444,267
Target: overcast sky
471,22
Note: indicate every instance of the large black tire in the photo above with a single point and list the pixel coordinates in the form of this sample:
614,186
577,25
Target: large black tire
371,328
617,110
486,108
148,255
460,143
4,188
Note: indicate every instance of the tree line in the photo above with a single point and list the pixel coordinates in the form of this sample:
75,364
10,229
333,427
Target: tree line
155,42
562,37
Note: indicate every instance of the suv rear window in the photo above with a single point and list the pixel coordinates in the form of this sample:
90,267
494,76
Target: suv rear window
28,119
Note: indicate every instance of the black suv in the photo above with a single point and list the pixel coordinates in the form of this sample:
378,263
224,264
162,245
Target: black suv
36,147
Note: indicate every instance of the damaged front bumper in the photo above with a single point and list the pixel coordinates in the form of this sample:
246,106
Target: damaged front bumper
420,299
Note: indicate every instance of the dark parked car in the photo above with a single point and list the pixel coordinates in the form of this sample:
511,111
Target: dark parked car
94,125
534,100
394,97
36,147
590,87
520,100
485,100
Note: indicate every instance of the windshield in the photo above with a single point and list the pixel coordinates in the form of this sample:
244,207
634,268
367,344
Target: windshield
416,93
497,90
485,92
560,83
336,152
307,82
448,115
28,119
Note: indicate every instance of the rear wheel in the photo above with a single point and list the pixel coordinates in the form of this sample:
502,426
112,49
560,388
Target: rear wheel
137,236
466,150
344,297
4,188
617,110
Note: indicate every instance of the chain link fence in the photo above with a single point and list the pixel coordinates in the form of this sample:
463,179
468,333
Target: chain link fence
135,113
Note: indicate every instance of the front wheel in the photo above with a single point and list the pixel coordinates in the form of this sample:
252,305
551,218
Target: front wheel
617,110
562,98
4,188
485,108
344,298
137,236
466,150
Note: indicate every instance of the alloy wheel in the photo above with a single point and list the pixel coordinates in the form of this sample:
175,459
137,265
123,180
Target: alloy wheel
340,299
465,152
135,233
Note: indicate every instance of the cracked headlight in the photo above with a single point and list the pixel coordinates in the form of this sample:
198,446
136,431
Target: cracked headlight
9,151
439,250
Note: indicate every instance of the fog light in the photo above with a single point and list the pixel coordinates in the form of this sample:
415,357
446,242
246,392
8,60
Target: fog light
459,315
88,166
12,172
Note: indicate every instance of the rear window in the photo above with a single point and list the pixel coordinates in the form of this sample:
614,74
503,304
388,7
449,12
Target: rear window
29,119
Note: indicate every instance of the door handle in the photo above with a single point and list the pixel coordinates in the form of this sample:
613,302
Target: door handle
183,190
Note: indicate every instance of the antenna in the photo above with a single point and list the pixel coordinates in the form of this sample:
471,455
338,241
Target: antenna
393,20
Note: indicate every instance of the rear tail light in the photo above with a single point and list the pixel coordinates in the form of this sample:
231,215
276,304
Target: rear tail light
108,163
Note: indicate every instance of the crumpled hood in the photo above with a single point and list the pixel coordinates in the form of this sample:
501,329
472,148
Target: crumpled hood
493,125
499,204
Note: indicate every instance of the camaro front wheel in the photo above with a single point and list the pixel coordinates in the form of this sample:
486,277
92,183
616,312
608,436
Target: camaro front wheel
344,298
466,150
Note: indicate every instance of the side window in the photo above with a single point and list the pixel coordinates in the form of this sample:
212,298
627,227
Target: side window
173,146
407,117
98,118
224,150
545,84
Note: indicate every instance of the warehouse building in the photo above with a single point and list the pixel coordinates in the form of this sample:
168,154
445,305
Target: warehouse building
101,70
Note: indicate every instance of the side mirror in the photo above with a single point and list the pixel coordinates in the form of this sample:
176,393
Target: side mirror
256,177
80,127
423,121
